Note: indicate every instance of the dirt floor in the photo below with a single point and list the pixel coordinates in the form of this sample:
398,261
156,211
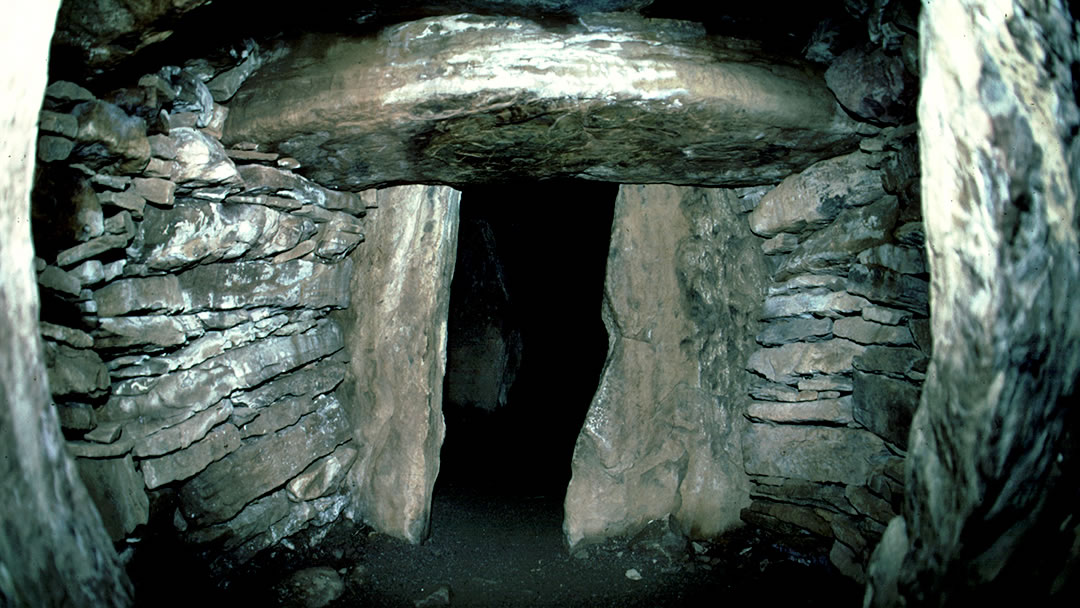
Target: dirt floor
494,549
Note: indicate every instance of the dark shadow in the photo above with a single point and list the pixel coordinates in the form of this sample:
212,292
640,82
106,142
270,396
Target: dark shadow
550,245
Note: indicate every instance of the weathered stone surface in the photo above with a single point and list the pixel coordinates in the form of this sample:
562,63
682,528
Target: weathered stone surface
783,331
194,233
802,492
214,343
815,453
769,514
54,549
806,282
889,360
256,283
885,406
817,301
826,383
156,190
828,411
425,100
92,449
68,335
785,242
991,461
60,124
771,391
183,464
662,433
140,332
198,388
67,92
106,432
873,84
885,316
110,140
337,239
318,587
847,562
311,380
117,491
906,260
52,149
859,330
832,249
128,200
92,248
201,160
75,371
59,281
397,347
90,272
261,465
890,288
815,197
180,436
867,502
786,364
259,179
278,415
322,477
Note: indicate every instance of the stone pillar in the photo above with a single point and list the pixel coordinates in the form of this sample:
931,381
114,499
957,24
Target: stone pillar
53,547
991,512
395,332
662,436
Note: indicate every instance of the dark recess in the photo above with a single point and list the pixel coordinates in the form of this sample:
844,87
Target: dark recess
554,267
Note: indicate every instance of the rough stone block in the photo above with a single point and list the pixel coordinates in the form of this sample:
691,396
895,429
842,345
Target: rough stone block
51,149
110,140
156,190
783,331
788,363
885,406
816,196
814,453
146,332
322,477
117,490
817,301
905,260
75,372
833,249
180,436
184,464
263,464
201,160
884,286
866,332
824,411
257,283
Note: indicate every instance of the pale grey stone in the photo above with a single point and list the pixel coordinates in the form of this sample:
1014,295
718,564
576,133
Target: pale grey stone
194,233
155,331
114,269
807,282
117,490
57,280
815,197
90,272
201,160
905,260
63,90
60,124
258,283
214,343
90,449
51,149
870,504
156,190
771,391
322,477
859,330
76,416
883,286
818,301
259,179
337,239
128,200
827,411
162,147
74,372
833,249
814,453
783,331
826,383
788,363
106,432
885,406
70,336
92,248
110,140
263,464
784,242
299,251
885,316
278,415
180,436
183,464
195,389
313,379
897,361
152,294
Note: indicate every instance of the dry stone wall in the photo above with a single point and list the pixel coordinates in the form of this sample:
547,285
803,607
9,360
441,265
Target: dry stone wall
843,347
185,319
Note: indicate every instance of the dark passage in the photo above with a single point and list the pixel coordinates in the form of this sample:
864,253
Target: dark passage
526,341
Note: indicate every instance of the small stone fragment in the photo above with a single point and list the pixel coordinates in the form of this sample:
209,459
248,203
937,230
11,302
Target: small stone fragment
633,574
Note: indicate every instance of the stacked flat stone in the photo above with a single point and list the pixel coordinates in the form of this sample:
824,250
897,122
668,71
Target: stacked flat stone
202,358
844,347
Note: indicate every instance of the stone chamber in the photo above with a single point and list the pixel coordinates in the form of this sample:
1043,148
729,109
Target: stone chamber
652,304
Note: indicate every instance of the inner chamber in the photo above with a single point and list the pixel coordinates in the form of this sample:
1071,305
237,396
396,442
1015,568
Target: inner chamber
526,342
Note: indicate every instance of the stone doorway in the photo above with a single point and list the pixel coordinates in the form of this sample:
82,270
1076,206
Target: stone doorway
526,341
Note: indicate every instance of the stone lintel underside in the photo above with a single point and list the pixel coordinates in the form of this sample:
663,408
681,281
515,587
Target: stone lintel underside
466,99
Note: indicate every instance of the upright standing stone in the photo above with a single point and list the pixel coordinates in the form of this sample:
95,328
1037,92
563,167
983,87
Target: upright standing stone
54,550
662,434
990,512
397,340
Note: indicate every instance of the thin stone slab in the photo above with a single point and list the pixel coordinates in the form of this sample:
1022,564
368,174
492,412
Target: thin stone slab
813,453
783,331
862,331
823,411
833,249
322,477
788,363
184,464
118,491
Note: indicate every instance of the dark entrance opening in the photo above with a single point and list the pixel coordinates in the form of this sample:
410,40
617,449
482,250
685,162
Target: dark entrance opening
526,342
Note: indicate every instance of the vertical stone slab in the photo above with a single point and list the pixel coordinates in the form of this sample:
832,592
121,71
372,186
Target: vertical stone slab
659,439
990,512
54,550
395,332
